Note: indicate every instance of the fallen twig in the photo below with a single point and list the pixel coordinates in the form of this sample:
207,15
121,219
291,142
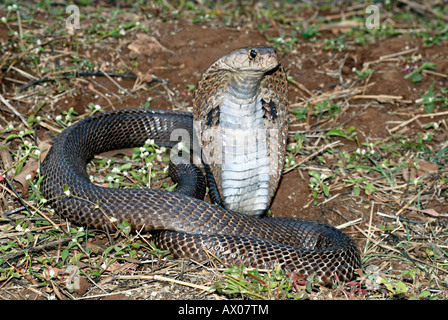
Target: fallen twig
66,75
162,278
14,110
430,115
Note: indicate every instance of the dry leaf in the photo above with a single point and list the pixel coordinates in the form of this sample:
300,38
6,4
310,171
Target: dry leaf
82,285
116,267
145,45
431,212
29,170
426,167
409,173
7,161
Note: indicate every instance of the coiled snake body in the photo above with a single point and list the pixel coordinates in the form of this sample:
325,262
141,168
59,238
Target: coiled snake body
248,82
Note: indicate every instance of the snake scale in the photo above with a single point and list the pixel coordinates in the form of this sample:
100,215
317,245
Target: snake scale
245,92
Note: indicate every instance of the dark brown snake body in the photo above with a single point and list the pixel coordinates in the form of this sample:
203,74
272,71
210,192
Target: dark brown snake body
188,227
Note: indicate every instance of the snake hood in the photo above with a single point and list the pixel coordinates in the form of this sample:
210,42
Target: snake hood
241,119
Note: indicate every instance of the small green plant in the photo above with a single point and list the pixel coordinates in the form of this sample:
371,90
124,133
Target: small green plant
416,75
349,134
430,98
310,32
337,43
326,109
276,284
362,75
319,184
293,149
284,43
68,119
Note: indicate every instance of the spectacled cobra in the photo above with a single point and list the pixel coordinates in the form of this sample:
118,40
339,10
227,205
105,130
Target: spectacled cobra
242,99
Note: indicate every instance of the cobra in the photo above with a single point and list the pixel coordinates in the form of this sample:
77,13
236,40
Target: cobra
243,92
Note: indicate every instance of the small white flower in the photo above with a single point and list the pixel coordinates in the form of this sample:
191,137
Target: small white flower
21,133
67,193
163,149
43,200
125,173
158,151
180,146
51,273
115,170
122,32
354,69
97,107
149,141
58,118
142,149
28,177
159,158
39,118
37,152
81,229
146,153
4,19
110,178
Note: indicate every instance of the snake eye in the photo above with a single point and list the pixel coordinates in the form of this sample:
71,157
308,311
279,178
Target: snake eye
252,53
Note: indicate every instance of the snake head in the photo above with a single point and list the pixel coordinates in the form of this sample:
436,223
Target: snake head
257,59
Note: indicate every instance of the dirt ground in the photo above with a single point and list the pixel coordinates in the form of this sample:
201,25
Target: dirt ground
175,53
